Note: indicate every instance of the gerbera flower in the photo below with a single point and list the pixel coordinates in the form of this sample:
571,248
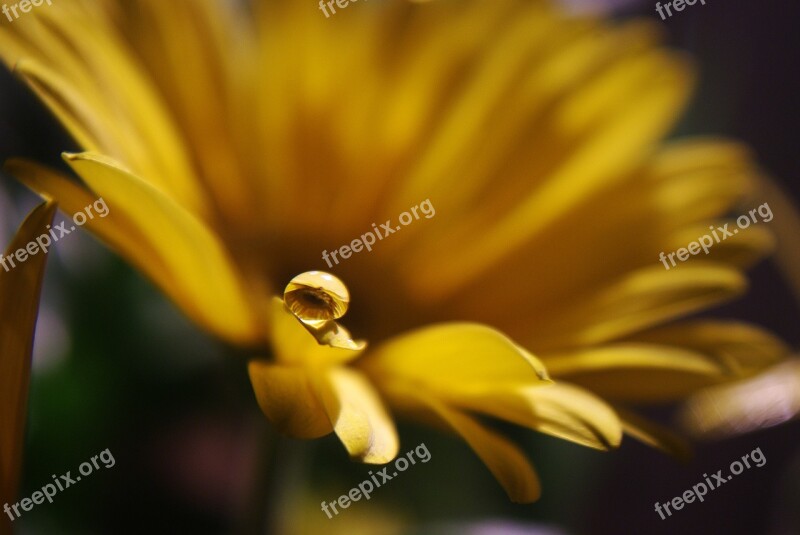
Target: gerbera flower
232,154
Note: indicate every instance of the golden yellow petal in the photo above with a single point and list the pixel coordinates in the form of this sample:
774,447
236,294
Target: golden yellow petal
74,59
19,305
638,371
201,56
561,410
743,250
450,359
639,300
740,347
357,414
621,229
285,395
162,239
505,460
599,135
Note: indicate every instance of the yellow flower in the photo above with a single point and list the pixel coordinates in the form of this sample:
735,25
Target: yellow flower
233,154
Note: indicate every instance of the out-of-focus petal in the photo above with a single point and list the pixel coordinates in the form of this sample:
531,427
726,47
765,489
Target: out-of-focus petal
767,399
19,303
740,347
640,300
639,371
160,237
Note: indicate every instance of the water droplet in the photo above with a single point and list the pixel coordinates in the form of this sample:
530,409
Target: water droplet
316,297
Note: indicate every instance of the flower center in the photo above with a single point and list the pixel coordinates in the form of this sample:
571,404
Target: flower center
316,297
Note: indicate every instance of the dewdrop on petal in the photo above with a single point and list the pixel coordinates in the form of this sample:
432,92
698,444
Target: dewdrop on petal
318,299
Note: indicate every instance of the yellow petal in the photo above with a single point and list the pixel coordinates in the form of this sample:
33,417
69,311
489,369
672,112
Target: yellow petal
640,215
358,415
740,347
199,54
559,409
639,372
639,300
606,125
505,460
73,60
285,395
163,240
452,359
293,344
19,304
742,250
654,435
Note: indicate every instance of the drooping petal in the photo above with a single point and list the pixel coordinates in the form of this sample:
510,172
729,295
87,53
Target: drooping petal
561,410
451,359
505,460
357,414
286,397
19,305
161,238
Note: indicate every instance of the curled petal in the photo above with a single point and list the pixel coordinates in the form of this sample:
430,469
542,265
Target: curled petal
296,343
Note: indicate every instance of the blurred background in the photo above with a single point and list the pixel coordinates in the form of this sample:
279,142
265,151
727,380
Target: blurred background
116,366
